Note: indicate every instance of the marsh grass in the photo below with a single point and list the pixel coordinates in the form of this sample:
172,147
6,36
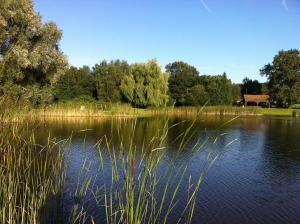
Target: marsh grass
96,109
77,108
81,109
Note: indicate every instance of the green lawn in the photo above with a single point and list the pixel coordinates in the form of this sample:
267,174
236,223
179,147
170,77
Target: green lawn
277,111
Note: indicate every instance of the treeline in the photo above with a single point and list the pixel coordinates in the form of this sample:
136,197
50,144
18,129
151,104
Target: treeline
145,85
35,70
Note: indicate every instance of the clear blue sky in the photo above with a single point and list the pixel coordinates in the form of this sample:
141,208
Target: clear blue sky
233,36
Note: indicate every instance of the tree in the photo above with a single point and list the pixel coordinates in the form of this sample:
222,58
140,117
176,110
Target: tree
75,83
283,74
219,89
146,86
236,91
29,49
295,94
197,96
108,77
250,86
264,88
182,77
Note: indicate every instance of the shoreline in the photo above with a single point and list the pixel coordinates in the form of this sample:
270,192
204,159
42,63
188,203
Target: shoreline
123,111
176,112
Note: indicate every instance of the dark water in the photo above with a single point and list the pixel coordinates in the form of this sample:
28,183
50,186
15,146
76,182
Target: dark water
256,179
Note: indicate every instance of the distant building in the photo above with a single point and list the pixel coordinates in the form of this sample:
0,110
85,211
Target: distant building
257,99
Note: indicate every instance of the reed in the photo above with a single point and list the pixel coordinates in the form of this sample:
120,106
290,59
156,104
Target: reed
30,174
124,110
139,185
96,109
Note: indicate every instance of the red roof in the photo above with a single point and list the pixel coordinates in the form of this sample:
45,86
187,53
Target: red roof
256,98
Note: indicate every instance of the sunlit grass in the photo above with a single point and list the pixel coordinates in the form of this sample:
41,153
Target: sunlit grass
81,109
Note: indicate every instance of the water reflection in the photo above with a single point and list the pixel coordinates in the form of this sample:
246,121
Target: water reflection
255,180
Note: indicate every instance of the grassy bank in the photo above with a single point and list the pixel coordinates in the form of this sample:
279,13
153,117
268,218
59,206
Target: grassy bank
79,109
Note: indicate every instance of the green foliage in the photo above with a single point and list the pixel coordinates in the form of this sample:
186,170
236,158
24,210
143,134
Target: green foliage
75,83
236,91
29,94
29,53
146,86
38,96
250,86
219,89
186,87
28,48
197,96
283,74
182,77
295,94
108,78
12,91
282,95
265,88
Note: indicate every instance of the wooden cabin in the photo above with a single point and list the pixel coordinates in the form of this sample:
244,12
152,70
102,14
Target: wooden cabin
257,99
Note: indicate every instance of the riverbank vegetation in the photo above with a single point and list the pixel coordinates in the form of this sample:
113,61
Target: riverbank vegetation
92,109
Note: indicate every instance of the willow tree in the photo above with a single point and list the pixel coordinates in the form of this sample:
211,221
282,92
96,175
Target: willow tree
29,50
146,86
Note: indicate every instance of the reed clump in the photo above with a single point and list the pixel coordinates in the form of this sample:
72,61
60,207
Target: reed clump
29,173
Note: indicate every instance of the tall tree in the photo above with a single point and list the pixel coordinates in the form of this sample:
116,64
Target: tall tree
108,77
236,91
197,96
250,86
75,83
295,94
146,86
182,77
29,51
283,74
219,89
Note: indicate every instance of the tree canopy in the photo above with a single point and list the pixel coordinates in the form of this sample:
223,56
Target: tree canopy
146,86
219,89
252,87
197,95
108,78
182,77
283,75
29,50
75,83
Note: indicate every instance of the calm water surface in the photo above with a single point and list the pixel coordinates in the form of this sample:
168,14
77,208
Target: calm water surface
256,179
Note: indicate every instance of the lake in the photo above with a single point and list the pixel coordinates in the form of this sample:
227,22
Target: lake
253,176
